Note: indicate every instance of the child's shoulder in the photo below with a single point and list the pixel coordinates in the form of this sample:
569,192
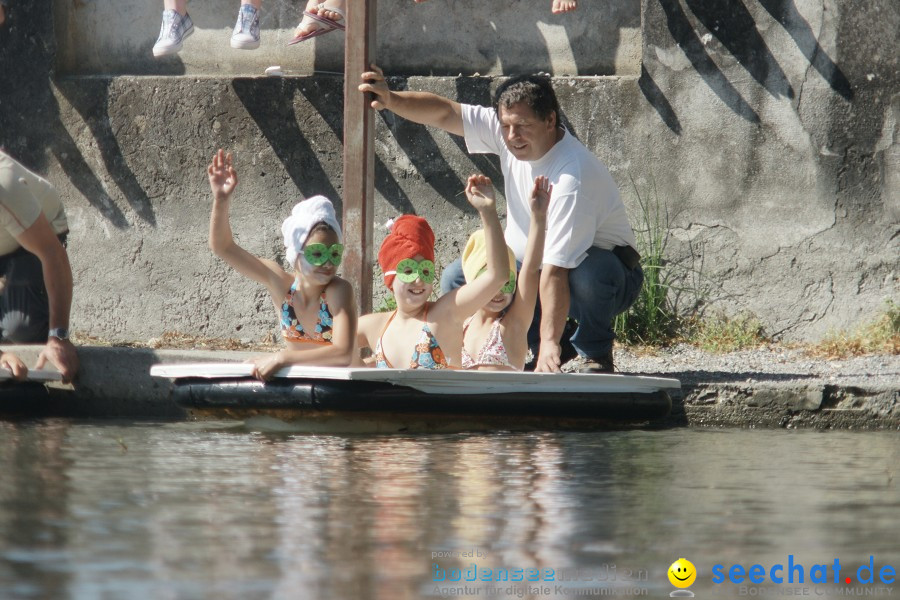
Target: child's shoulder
372,324
338,288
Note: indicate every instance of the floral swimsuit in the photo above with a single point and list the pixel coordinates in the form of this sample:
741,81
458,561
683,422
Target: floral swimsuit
293,331
427,355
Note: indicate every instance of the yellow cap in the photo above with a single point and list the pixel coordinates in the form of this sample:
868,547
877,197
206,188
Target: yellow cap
474,256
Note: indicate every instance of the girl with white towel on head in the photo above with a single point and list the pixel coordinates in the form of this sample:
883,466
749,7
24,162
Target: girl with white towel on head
316,308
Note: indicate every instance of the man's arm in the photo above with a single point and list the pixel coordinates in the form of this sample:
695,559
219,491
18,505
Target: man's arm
40,240
420,107
554,310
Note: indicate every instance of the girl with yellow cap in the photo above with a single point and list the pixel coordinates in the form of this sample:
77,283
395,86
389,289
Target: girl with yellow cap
315,307
495,337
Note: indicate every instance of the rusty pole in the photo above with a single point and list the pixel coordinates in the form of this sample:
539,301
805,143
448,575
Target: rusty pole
359,152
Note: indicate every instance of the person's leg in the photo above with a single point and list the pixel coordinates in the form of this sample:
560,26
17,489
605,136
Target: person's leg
246,30
179,6
176,26
24,307
334,10
329,9
452,277
562,6
600,288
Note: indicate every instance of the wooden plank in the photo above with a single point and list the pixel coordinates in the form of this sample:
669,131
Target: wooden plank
359,152
438,381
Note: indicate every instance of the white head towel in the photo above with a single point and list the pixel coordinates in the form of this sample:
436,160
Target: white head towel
305,215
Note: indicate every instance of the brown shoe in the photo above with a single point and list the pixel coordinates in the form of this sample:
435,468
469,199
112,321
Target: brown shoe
600,364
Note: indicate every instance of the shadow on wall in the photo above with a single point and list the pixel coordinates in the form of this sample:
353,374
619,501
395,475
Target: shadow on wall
271,105
91,99
385,183
30,120
509,37
733,26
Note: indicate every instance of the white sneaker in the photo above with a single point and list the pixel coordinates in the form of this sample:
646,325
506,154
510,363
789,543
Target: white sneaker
172,33
246,30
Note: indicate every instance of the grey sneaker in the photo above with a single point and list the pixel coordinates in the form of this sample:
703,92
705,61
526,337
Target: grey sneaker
172,33
246,30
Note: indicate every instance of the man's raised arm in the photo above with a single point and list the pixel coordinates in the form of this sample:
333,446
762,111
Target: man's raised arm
420,107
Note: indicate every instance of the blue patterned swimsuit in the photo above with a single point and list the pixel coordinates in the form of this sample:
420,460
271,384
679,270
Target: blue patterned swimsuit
293,331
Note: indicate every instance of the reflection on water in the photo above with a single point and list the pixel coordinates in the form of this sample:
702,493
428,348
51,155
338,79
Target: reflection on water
176,511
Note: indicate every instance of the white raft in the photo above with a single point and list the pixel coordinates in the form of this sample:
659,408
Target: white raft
399,397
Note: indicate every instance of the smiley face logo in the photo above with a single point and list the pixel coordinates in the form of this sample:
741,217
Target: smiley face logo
682,573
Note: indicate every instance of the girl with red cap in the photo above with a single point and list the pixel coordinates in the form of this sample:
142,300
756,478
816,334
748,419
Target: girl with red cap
424,334
316,308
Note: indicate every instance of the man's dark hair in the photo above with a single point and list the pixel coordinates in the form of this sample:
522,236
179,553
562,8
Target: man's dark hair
535,91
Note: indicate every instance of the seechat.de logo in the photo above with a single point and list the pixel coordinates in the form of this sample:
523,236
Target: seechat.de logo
796,572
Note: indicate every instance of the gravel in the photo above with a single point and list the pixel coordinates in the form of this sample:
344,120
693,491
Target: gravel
767,364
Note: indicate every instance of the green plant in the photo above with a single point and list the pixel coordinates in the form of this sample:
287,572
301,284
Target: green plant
723,334
651,319
388,304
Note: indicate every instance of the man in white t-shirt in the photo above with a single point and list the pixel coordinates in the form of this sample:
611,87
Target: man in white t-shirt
35,275
591,269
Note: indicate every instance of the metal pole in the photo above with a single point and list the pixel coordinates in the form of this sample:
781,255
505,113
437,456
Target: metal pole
359,152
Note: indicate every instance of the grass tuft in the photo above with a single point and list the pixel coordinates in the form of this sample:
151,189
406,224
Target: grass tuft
881,336
651,320
721,334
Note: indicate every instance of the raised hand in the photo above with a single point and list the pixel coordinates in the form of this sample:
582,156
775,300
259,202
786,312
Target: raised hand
480,192
222,176
374,83
540,196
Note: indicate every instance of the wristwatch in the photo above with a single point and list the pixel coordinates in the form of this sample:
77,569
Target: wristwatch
60,333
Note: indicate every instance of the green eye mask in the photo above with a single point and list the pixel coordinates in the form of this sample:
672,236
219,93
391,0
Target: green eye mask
510,286
319,254
408,270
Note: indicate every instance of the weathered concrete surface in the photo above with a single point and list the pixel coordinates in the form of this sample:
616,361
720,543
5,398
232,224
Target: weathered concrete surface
770,132
116,383
431,38
113,383
789,405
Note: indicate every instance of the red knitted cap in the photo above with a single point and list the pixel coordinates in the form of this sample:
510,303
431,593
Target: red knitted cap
410,235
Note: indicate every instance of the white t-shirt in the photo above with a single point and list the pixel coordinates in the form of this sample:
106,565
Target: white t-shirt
585,207
24,196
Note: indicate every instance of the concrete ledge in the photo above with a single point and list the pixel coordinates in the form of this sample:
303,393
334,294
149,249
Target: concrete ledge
112,383
789,405
116,383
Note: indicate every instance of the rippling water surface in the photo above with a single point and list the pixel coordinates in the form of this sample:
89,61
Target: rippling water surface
93,510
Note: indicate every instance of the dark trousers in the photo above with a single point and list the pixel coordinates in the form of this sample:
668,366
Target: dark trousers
24,306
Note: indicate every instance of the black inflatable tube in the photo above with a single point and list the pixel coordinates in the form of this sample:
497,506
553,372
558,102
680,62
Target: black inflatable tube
354,396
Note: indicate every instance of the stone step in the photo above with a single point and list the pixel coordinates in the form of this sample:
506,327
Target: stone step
486,37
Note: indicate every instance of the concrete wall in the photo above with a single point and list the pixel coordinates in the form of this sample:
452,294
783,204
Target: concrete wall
768,128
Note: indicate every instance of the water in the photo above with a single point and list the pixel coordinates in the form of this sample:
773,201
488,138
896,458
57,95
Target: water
184,510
